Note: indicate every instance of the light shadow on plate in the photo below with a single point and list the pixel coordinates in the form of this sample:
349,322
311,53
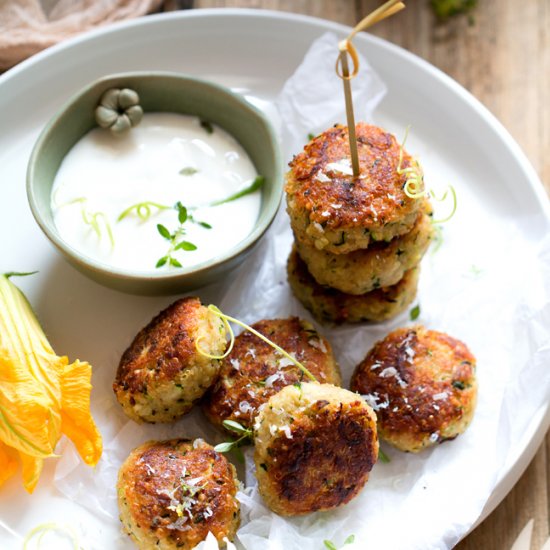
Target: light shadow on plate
85,320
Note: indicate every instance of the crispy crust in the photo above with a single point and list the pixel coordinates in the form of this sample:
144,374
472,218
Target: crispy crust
340,213
330,305
157,470
314,448
162,374
422,385
254,371
381,265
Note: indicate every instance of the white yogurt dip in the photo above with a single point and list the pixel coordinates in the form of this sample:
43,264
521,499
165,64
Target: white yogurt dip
168,158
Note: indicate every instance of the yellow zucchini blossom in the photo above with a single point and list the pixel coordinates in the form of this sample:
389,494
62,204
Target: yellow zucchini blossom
42,396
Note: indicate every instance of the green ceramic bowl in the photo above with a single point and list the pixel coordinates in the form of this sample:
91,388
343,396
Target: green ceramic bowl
158,92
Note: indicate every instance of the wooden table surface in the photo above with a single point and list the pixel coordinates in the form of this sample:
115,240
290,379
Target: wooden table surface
504,60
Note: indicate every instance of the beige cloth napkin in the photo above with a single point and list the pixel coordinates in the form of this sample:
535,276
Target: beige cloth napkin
28,26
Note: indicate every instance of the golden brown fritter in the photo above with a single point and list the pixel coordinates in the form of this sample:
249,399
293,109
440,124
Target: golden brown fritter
328,304
162,373
172,493
335,212
314,448
254,371
380,265
422,386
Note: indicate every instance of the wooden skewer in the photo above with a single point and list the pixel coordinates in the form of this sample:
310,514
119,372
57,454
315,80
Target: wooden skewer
346,47
388,9
349,109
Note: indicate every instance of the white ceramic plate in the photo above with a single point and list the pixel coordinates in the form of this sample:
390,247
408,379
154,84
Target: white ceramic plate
254,52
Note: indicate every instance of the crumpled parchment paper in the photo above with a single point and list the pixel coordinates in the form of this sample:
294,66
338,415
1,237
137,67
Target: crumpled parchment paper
487,284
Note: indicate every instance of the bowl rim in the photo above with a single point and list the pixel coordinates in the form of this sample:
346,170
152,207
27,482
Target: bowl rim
102,268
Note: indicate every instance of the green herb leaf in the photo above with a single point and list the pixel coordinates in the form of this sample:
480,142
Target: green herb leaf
235,427
254,186
207,126
182,212
350,540
175,262
383,457
162,261
224,447
188,171
459,385
310,136
415,312
329,545
205,225
164,232
185,245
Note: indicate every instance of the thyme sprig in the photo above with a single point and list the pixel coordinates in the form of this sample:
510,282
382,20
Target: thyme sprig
226,319
232,426
175,239
144,210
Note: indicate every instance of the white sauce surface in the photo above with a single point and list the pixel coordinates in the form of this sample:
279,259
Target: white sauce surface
113,173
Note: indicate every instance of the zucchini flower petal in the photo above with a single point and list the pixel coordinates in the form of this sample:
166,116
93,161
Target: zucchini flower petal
31,470
41,395
25,410
76,421
8,463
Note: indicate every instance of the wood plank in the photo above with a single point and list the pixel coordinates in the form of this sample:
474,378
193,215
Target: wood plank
343,11
504,60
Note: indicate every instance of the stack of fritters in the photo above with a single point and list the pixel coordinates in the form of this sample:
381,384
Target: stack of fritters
358,240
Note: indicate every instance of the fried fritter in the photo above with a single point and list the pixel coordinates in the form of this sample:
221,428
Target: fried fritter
337,213
315,445
381,265
422,385
172,493
328,304
162,373
254,371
